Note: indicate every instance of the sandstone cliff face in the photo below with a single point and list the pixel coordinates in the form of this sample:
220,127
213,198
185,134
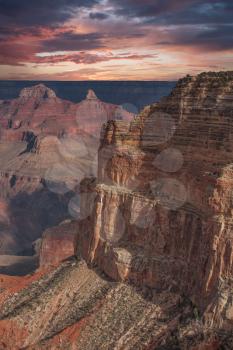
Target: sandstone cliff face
163,201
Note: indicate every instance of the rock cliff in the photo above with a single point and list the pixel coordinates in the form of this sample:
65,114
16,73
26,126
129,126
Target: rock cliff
163,200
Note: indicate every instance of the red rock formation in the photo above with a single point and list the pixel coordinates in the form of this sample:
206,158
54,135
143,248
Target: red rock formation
92,113
10,285
39,110
57,244
170,228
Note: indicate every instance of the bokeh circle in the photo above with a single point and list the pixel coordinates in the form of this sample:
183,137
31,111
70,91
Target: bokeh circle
169,192
169,160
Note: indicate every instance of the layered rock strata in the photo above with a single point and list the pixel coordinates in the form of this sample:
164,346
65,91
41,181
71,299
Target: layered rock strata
163,200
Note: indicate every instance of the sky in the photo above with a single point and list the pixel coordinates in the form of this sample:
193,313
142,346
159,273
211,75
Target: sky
114,39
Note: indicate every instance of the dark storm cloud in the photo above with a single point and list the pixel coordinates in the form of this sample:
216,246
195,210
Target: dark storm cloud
146,8
189,23
6,33
70,41
219,38
209,38
214,12
176,11
98,15
39,12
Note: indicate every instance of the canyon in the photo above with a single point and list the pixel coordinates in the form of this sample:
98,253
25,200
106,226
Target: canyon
150,265
45,141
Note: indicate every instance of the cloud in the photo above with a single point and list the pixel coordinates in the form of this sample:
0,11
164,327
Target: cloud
13,53
147,8
204,24
71,41
98,15
22,46
89,32
40,12
172,12
90,58
81,74
208,38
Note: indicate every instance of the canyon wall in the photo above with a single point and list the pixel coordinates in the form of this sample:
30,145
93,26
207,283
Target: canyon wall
162,213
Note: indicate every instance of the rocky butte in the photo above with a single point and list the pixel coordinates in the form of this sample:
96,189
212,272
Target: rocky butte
38,110
154,240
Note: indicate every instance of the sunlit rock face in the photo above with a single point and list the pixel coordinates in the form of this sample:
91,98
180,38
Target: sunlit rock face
163,205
